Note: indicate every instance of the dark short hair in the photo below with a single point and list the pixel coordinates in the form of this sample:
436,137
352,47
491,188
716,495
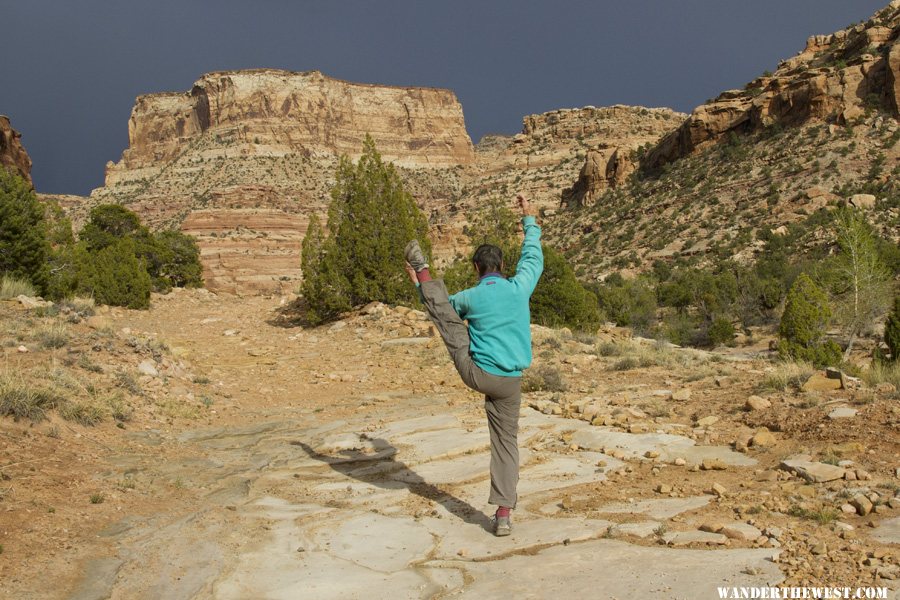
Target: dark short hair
487,258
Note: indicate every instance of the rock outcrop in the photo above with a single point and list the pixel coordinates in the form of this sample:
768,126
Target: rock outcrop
12,154
244,157
544,158
836,78
602,170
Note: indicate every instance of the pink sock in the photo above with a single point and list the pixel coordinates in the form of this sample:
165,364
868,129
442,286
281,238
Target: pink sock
503,511
423,275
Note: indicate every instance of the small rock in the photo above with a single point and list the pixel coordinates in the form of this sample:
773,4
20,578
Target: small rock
230,332
707,421
763,439
894,503
148,368
863,475
664,488
848,509
651,454
862,505
757,403
712,527
680,462
682,395
713,464
741,531
821,383
773,532
718,489
22,349
842,412
819,549
30,302
97,322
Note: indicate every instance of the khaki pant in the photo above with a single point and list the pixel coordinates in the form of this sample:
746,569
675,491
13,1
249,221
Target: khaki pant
502,395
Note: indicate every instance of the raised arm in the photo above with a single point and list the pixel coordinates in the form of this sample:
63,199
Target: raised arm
531,260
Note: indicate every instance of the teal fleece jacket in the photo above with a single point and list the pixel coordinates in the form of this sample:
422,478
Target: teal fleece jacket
498,314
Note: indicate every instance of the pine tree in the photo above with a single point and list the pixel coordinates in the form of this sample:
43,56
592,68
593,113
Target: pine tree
370,220
23,237
802,329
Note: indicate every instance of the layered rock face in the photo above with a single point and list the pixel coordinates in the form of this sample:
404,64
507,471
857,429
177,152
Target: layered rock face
543,160
244,158
836,78
12,154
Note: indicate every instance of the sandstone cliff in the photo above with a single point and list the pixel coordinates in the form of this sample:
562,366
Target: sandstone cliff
12,154
243,159
837,78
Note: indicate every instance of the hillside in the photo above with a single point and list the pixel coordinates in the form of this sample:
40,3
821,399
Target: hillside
818,131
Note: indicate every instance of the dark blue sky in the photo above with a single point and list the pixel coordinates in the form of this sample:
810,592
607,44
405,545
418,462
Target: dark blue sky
72,69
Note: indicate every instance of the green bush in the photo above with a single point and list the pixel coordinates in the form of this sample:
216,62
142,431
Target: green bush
171,258
802,329
628,303
892,331
559,300
114,275
23,234
370,220
721,331
179,261
62,278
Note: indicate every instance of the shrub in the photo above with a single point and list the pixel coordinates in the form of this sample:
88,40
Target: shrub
370,220
627,302
12,287
178,262
721,331
114,275
802,329
52,335
171,258
62,271
543,378
22,400
23,235
559,300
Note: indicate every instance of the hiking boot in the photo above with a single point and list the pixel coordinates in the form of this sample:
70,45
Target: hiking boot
414,256
502,526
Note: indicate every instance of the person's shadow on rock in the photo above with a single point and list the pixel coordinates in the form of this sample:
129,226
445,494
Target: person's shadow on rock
383,470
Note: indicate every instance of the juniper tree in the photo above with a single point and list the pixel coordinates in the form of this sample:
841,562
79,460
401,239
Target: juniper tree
23,237
370,220
803,323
